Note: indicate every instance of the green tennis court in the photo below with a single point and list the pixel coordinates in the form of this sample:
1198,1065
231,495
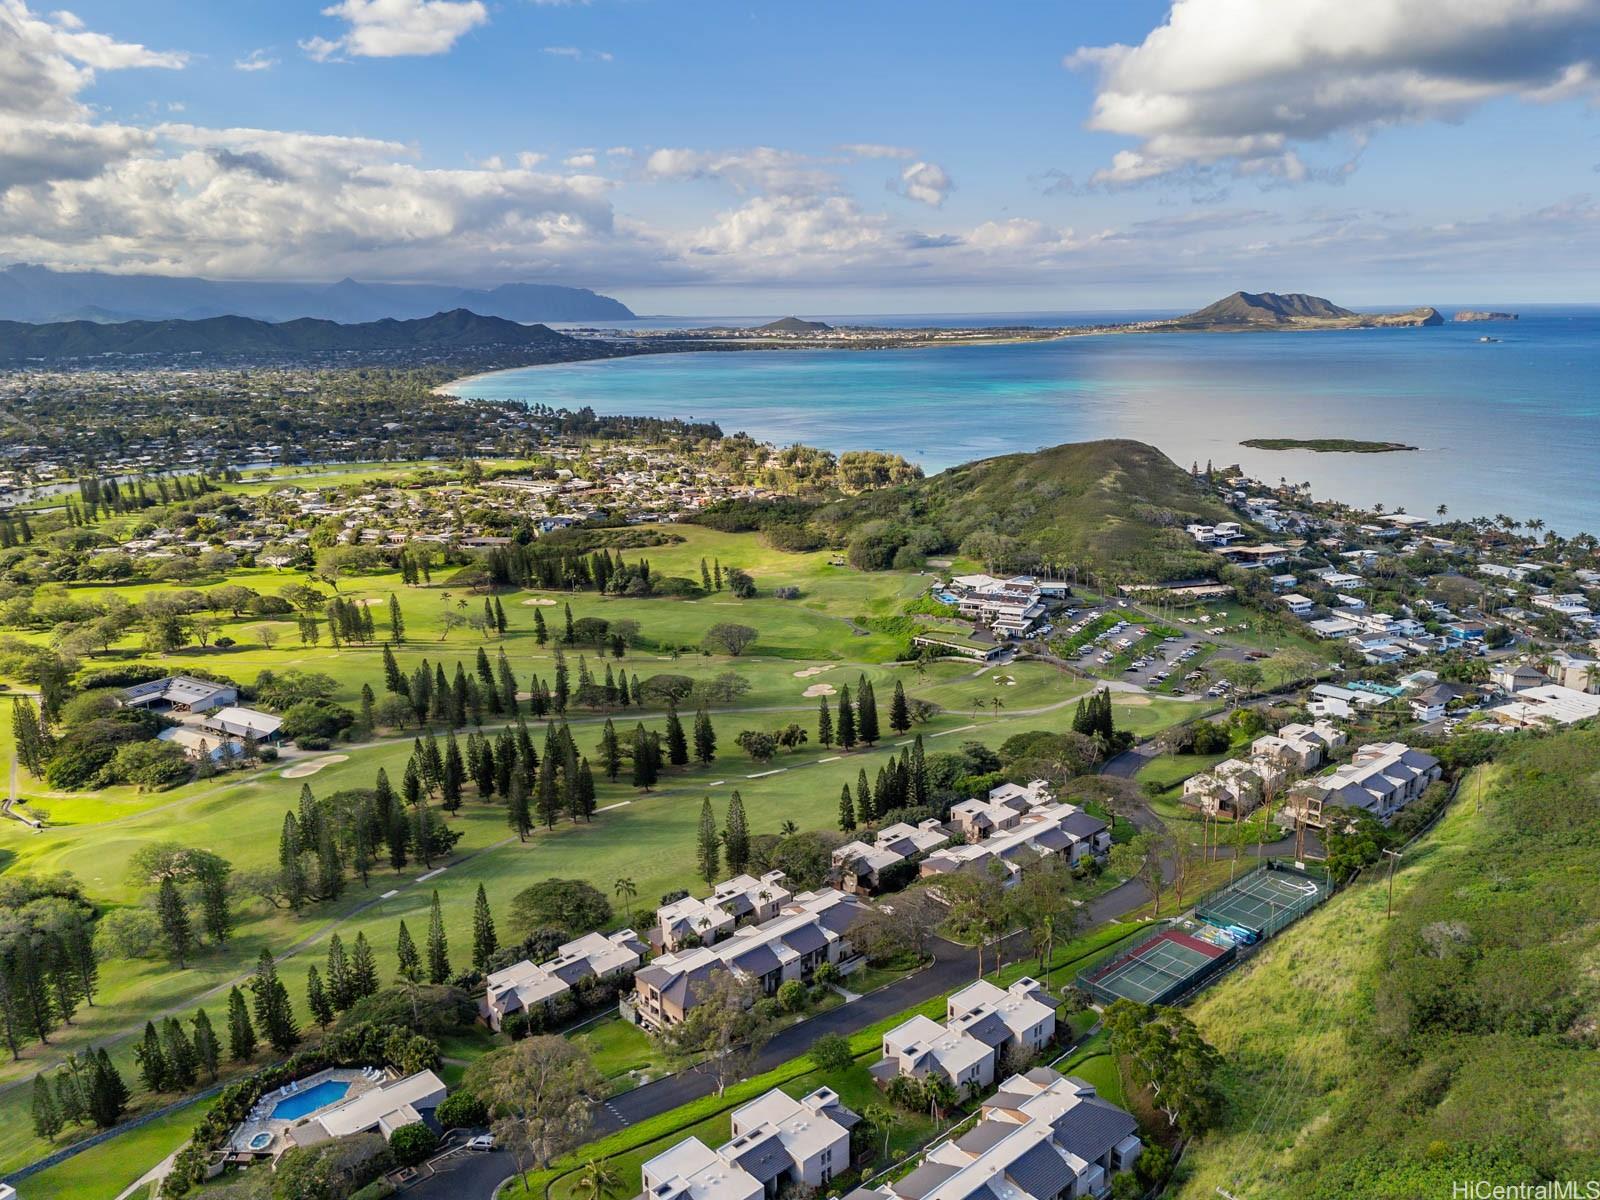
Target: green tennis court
1167,965
1264,901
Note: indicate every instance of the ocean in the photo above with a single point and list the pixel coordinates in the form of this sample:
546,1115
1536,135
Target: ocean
1510,426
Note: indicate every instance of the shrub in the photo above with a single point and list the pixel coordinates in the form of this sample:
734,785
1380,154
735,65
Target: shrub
411,1144
462,1110
792,995
153,766
571,904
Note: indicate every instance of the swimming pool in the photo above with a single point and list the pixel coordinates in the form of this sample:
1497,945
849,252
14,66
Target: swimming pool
261,1141
327,1092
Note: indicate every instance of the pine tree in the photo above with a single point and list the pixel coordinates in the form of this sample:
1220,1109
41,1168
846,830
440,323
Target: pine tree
918,794
405,952
36,1014
584,791
646,759
863,798
207,1052
708,851
736,836
507,686
317,1002
291,871
455,774
330,866
10,1017
341,995
705,739
567,636
397,623
563,685
152,1060
484,941
70,1100
46,1116
517,811
108,1094
610,751
541,634
866,712
847,721
499,617
176,929
824,722
677,745
183,1065
705,576
847,810
899,710
241,1032
547,796
363,969
438,946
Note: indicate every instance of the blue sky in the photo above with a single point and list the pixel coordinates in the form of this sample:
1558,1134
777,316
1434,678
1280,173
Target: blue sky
824,158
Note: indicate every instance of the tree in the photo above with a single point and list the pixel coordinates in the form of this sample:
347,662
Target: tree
108,1094
405,951
705,738
708,852
847,810
1168,1056
724,1032
831,1052
484,941
413,1143
176,929
824,722
541,1093
152,1060
758,744
736,836
573,905
207,1052
677,744
47,1120
977,907
363,969
899,711
729,638
317,1002
397,624
438,946
646,759
273,1012
241,1032
847,721
599,1179
866,712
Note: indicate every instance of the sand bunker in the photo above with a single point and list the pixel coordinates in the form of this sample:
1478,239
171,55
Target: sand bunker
1130,699
370,601
539,600
810,671
819,689
301,770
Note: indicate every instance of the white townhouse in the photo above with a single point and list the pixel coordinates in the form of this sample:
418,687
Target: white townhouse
1380,779
860,864
524,986
734,902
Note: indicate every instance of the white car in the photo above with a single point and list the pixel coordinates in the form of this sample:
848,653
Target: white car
484,1141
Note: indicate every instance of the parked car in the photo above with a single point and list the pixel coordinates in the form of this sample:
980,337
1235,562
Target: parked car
484,1141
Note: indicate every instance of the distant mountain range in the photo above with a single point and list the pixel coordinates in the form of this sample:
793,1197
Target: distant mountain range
1293,310
441,335
33,293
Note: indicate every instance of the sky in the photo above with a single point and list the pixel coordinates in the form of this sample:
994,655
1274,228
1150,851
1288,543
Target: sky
822,158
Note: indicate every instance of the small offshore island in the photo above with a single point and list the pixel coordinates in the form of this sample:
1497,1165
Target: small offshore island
1326,445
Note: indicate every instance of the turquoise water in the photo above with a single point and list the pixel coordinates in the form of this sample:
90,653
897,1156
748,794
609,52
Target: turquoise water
329,1091
1511,426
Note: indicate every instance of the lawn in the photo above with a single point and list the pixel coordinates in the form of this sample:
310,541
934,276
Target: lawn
101,1173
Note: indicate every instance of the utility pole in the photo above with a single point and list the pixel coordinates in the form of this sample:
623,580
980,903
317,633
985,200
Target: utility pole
1394,856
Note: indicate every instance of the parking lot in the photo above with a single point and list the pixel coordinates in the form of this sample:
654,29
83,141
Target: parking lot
1126,649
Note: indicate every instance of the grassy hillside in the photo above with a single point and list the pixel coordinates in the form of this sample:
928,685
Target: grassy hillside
1119,506
1386,1058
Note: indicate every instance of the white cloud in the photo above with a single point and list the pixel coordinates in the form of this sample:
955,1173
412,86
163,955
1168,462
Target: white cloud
876,150
1244,85
578,55
256,60
927,183
396,28
762,168
579,161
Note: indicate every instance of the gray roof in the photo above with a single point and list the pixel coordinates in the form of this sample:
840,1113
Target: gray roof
1083,825
1012,1100
923,1180
1041,1171
806,939
1054,839
841,917
985,1135
765,1158
758,961
1092,1126
990,1030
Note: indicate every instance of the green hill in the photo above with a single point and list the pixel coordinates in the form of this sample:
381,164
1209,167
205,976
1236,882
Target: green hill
1386,1058
245,337
1116,506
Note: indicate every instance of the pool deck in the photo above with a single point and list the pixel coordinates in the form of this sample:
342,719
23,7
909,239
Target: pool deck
261,1122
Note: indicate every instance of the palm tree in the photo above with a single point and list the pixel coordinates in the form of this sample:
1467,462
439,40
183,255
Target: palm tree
598,1180
877,1117
626,892
788,829
997,704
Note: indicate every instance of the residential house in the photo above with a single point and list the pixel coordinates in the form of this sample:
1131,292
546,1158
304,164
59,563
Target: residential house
1298,605
734,902
1062,829
1550,704
1299,746
525,986
382,1109
1430,703
1234,788
777,1142
1516,677
1000,810
860,864
811,928
1380,779
1574,671
1041,1136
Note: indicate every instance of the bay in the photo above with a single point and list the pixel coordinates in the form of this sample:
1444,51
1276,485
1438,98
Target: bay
1509,426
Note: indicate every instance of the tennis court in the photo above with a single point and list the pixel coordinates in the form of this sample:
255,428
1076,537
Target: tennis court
1156,970
1264,901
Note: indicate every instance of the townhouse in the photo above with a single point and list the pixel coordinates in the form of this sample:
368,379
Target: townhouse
778,1143
734,902
1055,829
810,929
1042,1136
1380,779
985,1027
1235,788
861,865
525,986
1301,746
